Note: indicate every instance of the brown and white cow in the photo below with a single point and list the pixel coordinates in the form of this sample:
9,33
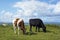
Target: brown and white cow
18,23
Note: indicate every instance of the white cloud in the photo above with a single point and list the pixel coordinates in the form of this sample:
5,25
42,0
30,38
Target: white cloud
50,1
2,11
37,9
41,8
30,7
33,9
6,16
50,19
57,8
29,0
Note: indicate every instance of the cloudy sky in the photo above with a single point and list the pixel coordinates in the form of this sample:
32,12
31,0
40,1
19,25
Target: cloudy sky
47,10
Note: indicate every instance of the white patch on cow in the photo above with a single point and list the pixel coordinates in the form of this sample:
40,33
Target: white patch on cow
14,26
19,21
14,20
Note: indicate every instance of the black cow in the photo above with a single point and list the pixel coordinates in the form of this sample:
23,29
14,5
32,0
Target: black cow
38,23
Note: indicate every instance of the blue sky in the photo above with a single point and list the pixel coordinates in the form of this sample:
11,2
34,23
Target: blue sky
47,10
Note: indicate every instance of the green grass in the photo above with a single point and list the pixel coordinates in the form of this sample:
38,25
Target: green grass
53,33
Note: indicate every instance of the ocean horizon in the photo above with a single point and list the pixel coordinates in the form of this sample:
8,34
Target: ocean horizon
56,23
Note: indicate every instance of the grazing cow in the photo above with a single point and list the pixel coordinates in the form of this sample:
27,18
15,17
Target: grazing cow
19,23
38,23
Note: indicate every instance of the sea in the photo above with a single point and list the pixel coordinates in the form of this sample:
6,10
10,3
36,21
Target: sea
54,23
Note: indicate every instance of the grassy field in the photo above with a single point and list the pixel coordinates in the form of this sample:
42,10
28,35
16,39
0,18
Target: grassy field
53,33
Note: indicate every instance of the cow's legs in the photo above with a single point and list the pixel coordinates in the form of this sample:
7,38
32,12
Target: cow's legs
30,28
14,28
18,30
36,29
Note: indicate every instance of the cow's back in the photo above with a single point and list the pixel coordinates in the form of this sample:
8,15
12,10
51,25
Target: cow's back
35,22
